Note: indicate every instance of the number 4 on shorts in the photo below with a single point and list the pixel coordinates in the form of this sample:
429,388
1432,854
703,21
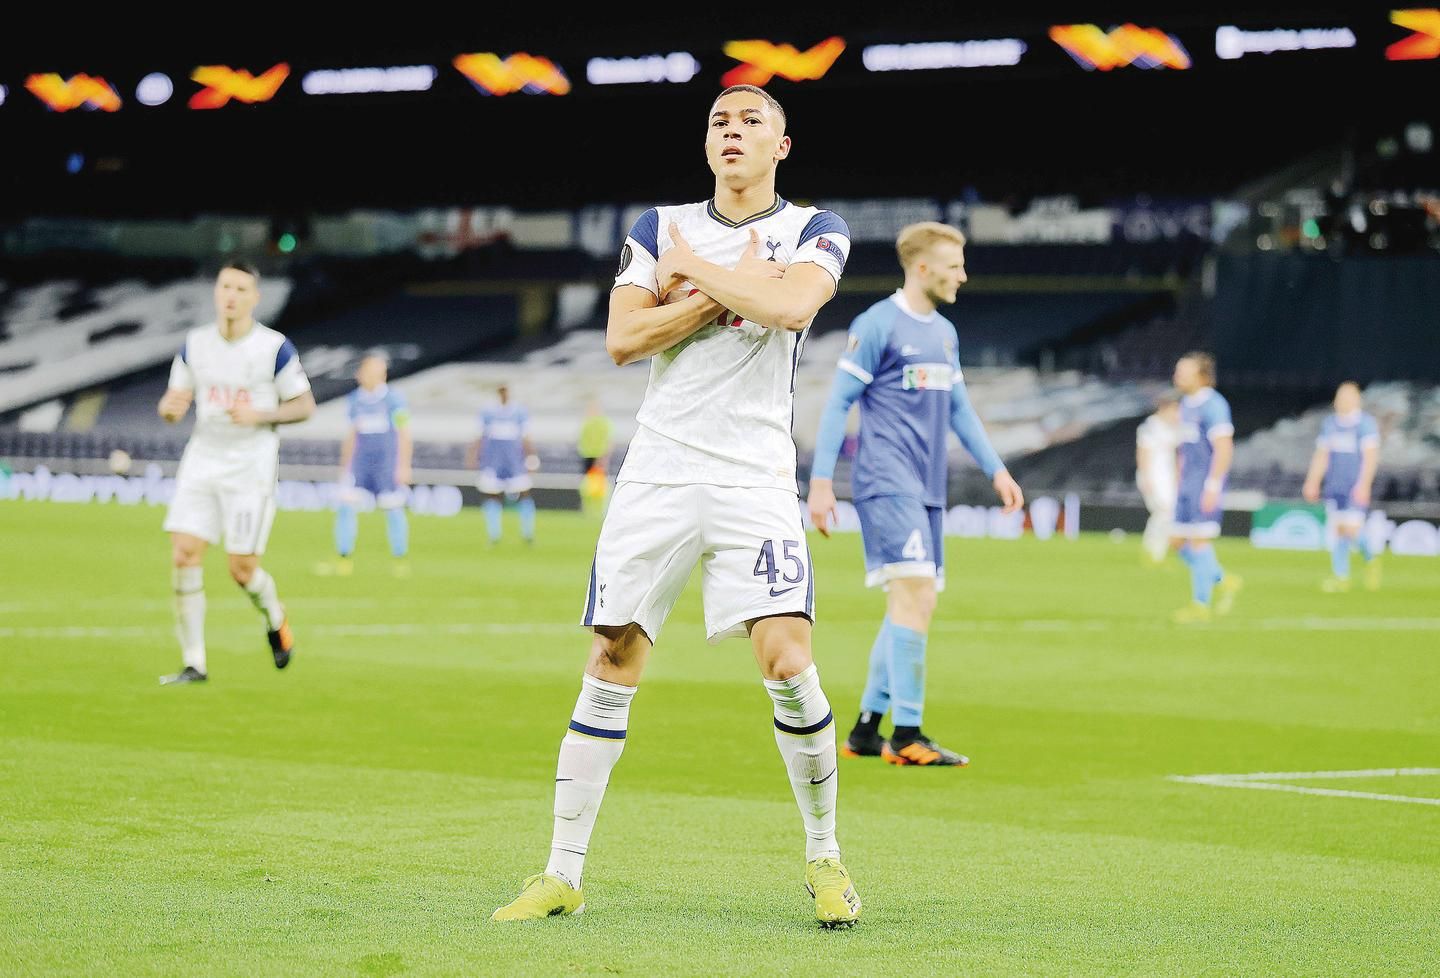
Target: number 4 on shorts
914,548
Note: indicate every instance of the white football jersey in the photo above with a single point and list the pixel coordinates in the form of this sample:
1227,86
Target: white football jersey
262,369
719,405
1161,440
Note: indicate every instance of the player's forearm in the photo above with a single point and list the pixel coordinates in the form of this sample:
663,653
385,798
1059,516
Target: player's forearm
966,425
292,411
1319,462
831,434
404,447
347,451
641,333
773,302
1220,464
1370,462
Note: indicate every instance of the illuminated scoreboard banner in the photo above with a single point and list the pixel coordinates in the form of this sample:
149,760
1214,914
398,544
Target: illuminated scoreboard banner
1044,52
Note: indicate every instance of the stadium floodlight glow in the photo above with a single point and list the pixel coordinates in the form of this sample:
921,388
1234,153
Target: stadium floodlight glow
1144,47
80,91
678,67
367,81
930,55
3,92
761,61
222,83
520,72
1233,42
154,89
1424,43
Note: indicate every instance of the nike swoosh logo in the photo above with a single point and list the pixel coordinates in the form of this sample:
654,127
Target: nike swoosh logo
558,780
824,779
775,594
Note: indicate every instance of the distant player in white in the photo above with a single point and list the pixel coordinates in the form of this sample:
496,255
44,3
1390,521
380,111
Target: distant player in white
1157,473
244,379
719,295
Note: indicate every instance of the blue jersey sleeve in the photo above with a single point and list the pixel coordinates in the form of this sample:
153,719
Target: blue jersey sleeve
1369,431
966,424
399,413
1327,427
831,436
1217,418
352,405
865,348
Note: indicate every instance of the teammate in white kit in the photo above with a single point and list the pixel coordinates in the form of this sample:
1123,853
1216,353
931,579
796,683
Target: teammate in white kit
719,295
1157,474
244,379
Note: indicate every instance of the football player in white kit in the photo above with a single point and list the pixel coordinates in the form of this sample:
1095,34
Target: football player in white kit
244,379
1157,474
719,295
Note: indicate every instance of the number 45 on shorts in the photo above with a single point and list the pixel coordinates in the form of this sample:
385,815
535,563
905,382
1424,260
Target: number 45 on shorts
790,557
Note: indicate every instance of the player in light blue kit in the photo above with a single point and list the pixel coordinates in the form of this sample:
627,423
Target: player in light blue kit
375,459
902,364
506,459
1207,447
1346,456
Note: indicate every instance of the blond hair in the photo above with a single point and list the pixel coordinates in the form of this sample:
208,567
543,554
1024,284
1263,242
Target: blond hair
916,239
1204,364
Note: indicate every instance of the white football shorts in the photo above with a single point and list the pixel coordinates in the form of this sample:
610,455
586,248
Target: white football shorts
242,519
750,544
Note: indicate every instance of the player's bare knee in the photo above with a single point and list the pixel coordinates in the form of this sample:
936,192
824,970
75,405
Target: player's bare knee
615,651
242,568
782,650
912,602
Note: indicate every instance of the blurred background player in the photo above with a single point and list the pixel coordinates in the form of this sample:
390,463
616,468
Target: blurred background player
710,478
902,364
248,379
1207,447
597,433
506,459
1346,456
1157,474
374,458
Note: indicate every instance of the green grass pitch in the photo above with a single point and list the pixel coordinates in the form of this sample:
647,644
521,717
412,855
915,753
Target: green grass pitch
363,812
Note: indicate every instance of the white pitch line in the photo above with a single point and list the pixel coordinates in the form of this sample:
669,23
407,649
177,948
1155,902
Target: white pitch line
1256,782
1379,772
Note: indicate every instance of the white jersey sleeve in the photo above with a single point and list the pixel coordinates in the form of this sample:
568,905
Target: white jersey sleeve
182,378
640,253
290,378
825,241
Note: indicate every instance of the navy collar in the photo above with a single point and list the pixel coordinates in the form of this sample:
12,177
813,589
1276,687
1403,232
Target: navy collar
773,209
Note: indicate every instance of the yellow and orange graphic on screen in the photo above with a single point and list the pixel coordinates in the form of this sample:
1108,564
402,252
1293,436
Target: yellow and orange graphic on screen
1144,47
763,60
1424,43
222,83
520,72
62,94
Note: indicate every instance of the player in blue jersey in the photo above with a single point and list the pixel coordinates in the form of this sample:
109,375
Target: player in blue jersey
1346,456
1207,447
902,364
375,461
506,458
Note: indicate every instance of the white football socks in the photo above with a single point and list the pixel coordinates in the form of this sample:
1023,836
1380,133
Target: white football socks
189,586
265,598
588,753
805,733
